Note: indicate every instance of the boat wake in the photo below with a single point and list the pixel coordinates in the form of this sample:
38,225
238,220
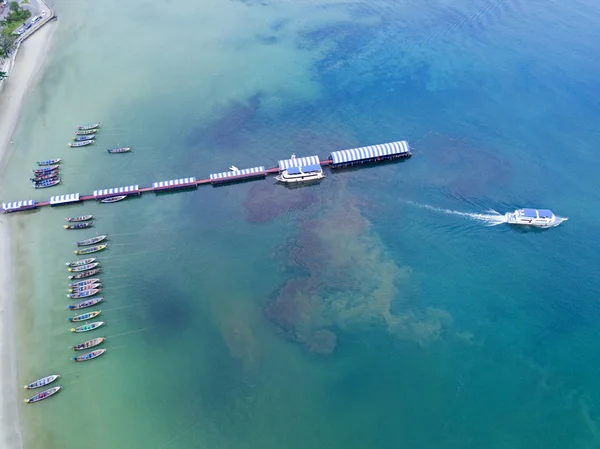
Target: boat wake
492,218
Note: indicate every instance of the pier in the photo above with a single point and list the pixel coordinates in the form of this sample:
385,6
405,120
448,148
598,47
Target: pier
337,159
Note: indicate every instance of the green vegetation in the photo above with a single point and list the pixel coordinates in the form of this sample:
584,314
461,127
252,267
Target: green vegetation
14,20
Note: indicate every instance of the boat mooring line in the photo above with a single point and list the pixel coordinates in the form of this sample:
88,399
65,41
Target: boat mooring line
127,307
132,332
179,436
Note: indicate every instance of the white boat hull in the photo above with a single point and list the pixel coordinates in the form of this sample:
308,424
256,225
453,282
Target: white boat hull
537,219
302,177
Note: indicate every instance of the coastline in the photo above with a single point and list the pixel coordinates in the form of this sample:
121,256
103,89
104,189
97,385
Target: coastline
28,64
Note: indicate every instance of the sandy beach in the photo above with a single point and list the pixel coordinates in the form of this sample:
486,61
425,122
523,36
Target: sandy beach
28,65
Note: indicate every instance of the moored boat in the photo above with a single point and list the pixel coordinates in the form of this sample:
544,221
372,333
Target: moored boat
119,150
42,382
84,293
83,138
86,282
113,199
89,344
88,327
80,218
85,316
46,183
86,267
86,304
81,144
301,174
539,218
88,127
50,175
43,395
90,355
49,162
82,225
78,263
85,132
92,240
47,169
85,274
90,250
84,287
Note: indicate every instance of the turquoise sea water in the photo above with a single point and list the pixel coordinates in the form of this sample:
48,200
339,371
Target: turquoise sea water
368,311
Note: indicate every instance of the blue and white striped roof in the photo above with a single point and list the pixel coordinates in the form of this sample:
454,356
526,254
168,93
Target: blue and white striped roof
18,205
370,152
298,162
117,191
173,183
63,199
234,174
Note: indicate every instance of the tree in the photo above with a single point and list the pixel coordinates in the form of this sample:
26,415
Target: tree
14,6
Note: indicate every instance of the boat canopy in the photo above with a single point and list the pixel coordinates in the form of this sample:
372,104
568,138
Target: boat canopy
19,205
128,190
545,213
304,169
63,199
298,162
370,152
530,213
174,183
238,174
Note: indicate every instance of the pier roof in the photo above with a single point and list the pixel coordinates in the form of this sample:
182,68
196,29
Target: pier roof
369,152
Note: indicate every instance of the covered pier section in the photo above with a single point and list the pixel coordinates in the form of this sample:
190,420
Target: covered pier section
18,206
174,184
372,153
245,174
64,199
127,190
298,162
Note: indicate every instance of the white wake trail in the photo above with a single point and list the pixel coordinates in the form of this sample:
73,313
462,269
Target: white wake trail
492,218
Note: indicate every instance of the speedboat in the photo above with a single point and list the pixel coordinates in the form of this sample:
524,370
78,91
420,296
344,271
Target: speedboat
234,168
540,218
301,174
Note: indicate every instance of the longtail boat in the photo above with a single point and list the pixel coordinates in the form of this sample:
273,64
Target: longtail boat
85,132
90,355
78,263
49,162
84,287
50,175
46,183
80,218
89,344
90,250
87,127
89,266
113,199
83,225
43,395
86,304
42,382
92,241
84,293
88,327
85,274
84,138
119,150
47,168
81,144
85,316
86,282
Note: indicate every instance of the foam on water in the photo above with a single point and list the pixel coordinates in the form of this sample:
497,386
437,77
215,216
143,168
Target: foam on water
492,218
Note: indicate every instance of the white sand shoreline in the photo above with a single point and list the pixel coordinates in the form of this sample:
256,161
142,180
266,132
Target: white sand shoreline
28,65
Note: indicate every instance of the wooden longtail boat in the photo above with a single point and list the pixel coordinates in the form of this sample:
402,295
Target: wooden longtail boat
89,266
119,150
92,240
88,327
78,263
80,218
42,382
113,199
81,144
50,175
84,287
86,304
49,162
47,183
90,250
85,132
86,282
43,395
88,127
84,293
85,316
44,170
85,274
83,225
84,138
90,355
89,344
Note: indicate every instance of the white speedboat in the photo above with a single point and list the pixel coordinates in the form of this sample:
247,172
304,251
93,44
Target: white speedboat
301,174
541,218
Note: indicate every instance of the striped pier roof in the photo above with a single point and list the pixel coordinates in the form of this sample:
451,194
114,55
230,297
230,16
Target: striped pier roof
298,162
19,205
174,184
127,190
64,199
236,175
370,153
